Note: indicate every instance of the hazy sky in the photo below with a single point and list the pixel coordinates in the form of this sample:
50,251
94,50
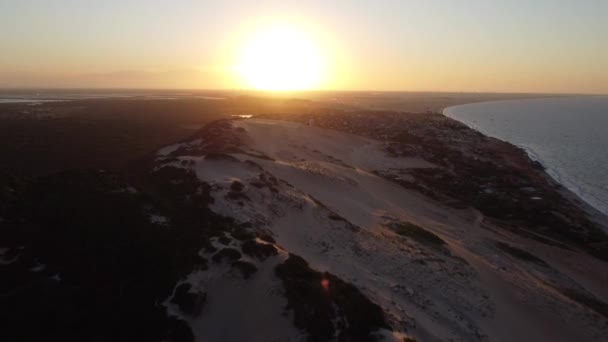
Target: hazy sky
464,45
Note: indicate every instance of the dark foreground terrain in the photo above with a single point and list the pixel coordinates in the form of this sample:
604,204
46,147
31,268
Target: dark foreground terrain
82,255
102,238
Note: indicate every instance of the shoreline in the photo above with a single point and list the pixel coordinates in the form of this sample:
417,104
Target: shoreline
441,232
473,170
592,205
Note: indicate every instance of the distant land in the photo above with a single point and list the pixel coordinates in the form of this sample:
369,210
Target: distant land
418,101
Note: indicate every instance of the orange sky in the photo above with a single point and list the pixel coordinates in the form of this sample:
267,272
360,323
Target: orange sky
470,45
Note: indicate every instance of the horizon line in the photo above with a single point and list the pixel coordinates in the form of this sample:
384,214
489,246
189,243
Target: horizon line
291,91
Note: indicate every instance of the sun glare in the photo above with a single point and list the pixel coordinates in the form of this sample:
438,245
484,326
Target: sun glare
281,59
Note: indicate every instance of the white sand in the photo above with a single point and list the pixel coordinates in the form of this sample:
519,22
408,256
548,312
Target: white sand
482,295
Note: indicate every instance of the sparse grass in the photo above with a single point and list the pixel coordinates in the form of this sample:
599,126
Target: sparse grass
265,180
220,156
417,233
587,300
335,217
258,155
520,254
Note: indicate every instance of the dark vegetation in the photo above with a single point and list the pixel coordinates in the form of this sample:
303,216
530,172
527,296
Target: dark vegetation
259,156
266,181
587,300
189,303
335,217
94,134
236,192
81,260
495,177
224,240
226,255
580,296
417,234
247,269
318,300
242,232
520,254
110,133
107,268
260,251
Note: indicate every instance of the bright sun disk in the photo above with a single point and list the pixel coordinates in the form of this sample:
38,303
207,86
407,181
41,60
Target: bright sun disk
281,59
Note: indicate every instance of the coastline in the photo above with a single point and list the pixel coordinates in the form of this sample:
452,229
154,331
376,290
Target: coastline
595,207
472,170
332,156
452,234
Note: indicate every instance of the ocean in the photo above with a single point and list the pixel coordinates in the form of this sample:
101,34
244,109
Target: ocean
567,135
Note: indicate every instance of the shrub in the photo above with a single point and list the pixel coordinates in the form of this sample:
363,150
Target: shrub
520,253
258,250
247,269
226,254
319,299
237,186
188,302
417,233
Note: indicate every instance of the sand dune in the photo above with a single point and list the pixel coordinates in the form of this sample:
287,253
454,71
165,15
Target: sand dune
329,207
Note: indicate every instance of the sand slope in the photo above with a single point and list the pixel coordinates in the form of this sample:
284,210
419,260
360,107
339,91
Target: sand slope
329,207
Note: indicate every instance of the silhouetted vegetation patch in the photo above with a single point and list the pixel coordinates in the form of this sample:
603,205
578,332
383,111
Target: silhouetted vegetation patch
94,134
266,237
257,184
235,192
182,186
226,255
335,217
243,232
253,165
320,299
247,269
236,196
587,300
106,268
266,181
258,155
190,303
260,251
177,331
220,156
237,186
520,253
224,240
318,202
417,233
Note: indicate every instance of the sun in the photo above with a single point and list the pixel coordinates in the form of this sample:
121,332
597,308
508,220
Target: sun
281,59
